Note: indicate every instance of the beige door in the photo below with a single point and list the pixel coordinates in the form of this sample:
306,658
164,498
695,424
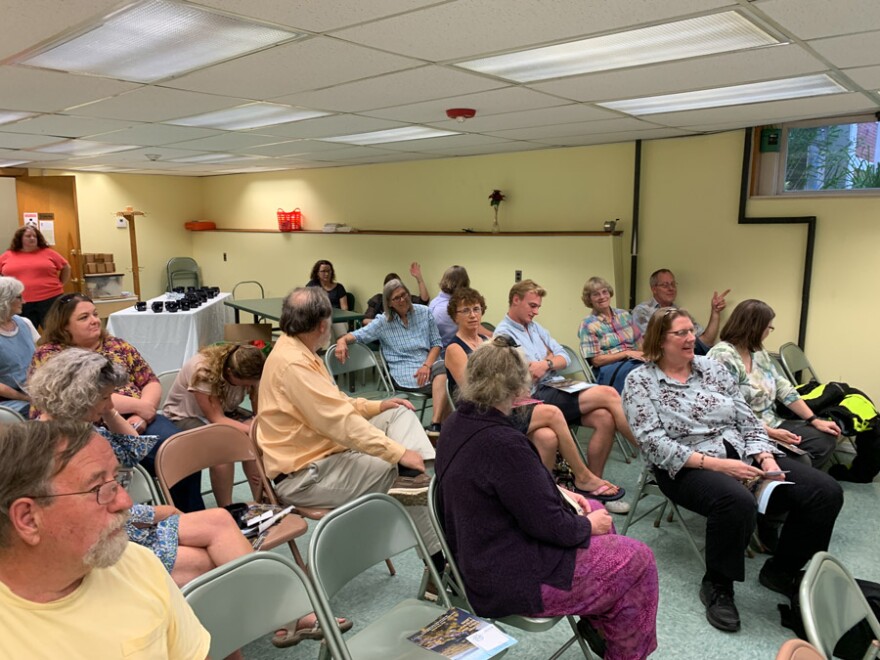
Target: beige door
55,196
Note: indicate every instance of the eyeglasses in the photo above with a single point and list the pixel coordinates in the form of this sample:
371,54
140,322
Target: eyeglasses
601,292
467,311
104,493
67,297
667,285
683,333
325,270
400,298
506,341
771,328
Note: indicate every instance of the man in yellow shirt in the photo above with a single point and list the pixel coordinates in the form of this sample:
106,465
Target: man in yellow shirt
71,585
323,448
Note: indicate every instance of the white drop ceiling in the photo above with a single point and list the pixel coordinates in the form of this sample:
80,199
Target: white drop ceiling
382,64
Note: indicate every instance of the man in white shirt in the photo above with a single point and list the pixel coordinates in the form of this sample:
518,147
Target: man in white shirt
71,585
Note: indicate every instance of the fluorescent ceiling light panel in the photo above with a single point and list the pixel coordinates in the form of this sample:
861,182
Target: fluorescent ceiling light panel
251,115
85,148
770,90
155,39
692,37
391,135
7,116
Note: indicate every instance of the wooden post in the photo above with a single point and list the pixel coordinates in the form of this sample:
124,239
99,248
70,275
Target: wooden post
129,214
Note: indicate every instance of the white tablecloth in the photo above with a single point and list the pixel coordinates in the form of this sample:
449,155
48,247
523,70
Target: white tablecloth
167,340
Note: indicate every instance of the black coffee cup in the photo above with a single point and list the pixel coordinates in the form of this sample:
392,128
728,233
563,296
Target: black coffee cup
140,306
171,306
183,305
157,306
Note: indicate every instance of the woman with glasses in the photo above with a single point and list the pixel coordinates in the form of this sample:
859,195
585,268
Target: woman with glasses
521,547
410,344
17,337
709,452
741,350
73,322
609,337
41,269
209,389
545,425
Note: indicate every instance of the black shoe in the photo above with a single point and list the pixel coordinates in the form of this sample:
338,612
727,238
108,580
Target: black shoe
721,611
433,430
591,635
774,580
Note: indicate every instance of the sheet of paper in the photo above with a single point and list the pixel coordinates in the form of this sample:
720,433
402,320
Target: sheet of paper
488,638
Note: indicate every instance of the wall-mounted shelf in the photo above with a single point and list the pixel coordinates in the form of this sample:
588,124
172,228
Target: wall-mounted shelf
421,233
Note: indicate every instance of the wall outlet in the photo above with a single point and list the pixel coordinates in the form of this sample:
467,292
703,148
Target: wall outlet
517,276
121,223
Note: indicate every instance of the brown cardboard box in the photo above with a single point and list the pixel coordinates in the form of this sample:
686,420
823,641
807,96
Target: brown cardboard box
108,256
100,268
91,268
110,266
89,257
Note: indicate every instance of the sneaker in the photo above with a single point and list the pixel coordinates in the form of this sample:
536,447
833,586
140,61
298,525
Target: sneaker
411,491
721,611
617,506
433,430
594,640
774,580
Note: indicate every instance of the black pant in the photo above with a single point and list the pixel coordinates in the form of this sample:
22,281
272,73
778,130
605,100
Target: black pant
811,504
37,310
819,445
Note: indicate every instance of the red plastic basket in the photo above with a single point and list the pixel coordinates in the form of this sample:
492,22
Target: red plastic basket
289,220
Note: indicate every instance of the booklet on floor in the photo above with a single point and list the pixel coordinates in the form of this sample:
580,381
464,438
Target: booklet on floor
460,635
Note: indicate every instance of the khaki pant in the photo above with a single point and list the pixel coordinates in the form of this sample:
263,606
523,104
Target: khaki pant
332,481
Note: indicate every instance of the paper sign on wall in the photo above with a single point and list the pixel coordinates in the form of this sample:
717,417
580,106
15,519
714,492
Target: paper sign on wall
47,229
30,219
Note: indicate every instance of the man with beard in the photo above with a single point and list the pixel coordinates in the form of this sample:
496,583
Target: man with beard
71,584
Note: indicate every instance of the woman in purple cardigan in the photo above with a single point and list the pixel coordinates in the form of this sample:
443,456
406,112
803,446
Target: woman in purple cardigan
520,547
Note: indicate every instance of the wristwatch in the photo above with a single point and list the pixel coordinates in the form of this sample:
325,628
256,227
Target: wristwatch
550,364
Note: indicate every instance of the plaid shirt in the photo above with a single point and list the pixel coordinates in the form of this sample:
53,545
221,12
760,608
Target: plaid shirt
405,347
599,336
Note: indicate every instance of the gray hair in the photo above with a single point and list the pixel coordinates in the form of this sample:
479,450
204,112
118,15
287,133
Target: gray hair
304,309
33,454
388,290
10,289
496,374
593,285
72,382
655,276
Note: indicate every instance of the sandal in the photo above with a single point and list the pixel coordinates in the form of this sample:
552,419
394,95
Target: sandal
598,493
293,635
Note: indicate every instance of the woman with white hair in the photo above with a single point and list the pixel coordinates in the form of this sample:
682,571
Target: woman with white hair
17,339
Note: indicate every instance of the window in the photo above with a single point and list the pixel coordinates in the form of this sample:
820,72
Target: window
825,156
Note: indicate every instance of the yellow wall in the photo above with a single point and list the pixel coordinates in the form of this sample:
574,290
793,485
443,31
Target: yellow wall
168,202
690,192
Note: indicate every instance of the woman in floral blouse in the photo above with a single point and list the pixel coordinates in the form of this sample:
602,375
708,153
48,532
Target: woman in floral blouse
705,443
741,350
73,322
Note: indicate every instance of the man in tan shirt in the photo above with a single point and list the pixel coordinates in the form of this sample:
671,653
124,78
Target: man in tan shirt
323,448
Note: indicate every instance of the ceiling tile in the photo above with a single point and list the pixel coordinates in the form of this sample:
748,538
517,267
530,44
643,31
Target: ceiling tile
468,28
294,67
321,16
155,134
496,148
295,148
850,51
565,114
868,76
228,141
66,126
36,90
19,141
822,19
571,129
616,136
714,71
45,19
508,99
402,87
444,142
157,104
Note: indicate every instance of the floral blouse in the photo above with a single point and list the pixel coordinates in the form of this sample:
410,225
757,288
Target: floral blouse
762,386
117,351
671,420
